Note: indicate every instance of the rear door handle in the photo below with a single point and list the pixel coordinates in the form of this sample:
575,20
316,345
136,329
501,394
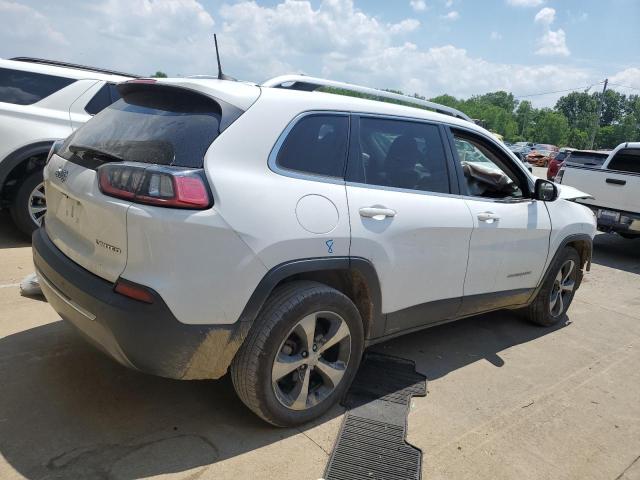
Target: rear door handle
377,213
615,181
488,217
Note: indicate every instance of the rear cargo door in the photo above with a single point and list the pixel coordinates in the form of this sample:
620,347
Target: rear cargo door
151,124
87,226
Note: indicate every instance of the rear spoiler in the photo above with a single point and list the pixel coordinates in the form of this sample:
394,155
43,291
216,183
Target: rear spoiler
228,113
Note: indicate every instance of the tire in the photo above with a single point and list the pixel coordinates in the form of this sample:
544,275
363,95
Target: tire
20,210
274,336
543,311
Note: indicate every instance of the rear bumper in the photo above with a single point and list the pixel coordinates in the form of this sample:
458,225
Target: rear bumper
141,336
626,222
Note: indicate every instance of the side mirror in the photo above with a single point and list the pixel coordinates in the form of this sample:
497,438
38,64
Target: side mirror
545,190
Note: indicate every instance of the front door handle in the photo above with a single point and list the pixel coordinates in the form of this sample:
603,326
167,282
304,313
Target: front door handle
488,217
377,213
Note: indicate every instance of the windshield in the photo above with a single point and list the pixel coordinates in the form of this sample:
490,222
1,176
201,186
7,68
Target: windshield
168,126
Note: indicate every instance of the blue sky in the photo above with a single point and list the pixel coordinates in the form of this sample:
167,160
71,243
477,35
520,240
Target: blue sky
460,47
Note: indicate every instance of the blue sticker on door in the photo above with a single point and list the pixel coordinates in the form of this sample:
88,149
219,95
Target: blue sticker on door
329,244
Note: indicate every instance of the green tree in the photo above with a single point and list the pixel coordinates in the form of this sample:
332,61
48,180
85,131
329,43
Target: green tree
159,74
579,108
552,127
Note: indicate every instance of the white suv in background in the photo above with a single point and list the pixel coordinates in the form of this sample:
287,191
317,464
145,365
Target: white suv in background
42,101
199,225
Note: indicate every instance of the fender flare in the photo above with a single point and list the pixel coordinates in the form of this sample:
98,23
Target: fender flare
361,266
582,237
18,156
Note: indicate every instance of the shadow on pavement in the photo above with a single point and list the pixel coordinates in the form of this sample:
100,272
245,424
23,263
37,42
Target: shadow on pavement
616,252
10,236
67,411
441,350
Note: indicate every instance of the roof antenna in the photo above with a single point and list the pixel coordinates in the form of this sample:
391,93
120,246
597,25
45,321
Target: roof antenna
221,76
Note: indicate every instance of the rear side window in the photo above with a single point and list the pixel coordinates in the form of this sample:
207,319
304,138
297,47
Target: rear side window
101,100
627,160
317,144
400,154
161,124
26,88
588,159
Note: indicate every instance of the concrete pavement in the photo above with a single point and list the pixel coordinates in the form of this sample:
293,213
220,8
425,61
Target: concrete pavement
506,399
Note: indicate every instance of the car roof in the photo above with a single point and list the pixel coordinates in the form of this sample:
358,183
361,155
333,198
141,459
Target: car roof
76,72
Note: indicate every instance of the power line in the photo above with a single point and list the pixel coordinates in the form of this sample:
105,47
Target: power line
625,86
555,91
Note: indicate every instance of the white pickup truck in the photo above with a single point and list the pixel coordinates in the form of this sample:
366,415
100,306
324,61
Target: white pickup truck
614,187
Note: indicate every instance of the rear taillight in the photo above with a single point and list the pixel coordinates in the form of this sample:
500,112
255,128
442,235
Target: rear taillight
155,185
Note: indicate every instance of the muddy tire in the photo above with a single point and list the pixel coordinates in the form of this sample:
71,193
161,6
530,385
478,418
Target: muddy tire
555,296
301,354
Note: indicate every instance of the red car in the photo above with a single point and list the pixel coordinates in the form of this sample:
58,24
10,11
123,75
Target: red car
556,162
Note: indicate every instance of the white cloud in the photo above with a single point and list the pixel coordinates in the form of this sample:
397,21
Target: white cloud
331,38
525,3
418,5
553,42
448,3
495,36
130,35
453,15
23,26
546,16
629,77
405,26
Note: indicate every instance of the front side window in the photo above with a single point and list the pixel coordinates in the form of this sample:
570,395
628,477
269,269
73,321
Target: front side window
317,144
26,88
486,172
400,154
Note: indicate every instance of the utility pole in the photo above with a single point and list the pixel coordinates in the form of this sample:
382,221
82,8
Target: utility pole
596,124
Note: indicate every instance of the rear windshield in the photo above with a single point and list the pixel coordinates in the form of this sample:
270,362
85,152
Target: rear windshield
589,159
162,125
627,160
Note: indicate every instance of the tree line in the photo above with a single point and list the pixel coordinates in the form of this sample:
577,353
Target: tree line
570,123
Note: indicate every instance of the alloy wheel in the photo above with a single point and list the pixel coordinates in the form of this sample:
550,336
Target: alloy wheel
312,360
563,287
37,204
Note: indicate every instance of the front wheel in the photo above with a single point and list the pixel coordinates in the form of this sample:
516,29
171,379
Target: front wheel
555,296
300,355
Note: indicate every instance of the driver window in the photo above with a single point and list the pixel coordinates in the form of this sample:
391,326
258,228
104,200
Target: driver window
484,173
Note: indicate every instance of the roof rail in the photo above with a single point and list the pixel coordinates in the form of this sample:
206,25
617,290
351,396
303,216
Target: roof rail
43,61
309,84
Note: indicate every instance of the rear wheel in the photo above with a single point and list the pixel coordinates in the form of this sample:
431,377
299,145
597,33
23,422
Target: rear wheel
301,354
555,296
29,205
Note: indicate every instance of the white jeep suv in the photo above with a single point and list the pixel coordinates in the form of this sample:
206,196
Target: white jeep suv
42,101
198,226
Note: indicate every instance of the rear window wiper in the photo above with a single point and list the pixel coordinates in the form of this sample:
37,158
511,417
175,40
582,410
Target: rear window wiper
82,150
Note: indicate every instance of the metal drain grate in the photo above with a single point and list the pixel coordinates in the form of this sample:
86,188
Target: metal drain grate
371,443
